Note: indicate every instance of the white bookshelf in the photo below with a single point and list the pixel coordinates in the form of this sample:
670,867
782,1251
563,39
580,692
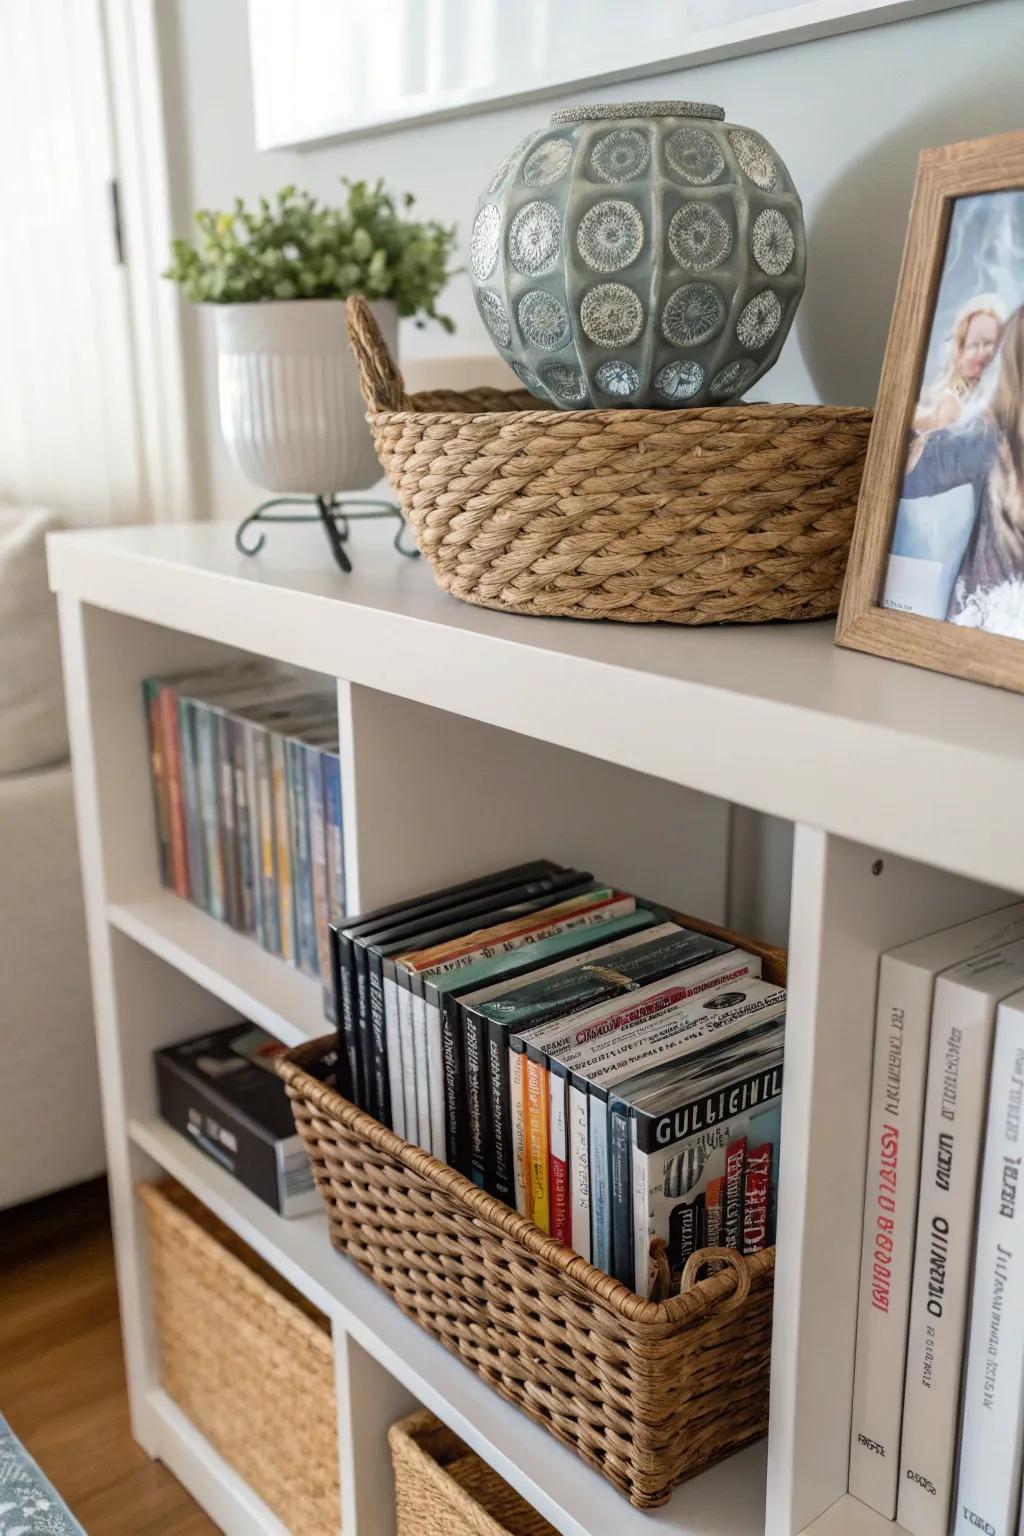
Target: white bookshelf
472,739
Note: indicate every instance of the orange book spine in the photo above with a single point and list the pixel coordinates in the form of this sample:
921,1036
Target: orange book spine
175,798
537,1143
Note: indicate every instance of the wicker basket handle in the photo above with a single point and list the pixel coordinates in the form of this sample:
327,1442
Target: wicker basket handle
382,385
704,1256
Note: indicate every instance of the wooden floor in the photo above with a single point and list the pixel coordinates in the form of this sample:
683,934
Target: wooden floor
61,1374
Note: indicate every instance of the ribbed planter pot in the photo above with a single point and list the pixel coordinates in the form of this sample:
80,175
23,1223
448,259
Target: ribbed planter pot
291,410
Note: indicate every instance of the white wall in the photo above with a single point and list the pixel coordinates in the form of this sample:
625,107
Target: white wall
849,115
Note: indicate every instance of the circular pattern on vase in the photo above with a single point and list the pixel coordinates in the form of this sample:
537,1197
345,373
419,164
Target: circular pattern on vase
610,236
483,243
535,239
617,378
612,315
695,155
620,155
504,170
693,314
680,380
564,381
543,319
494,315
528,376
759,320
734,377
755,158
699,237
772,242
547,163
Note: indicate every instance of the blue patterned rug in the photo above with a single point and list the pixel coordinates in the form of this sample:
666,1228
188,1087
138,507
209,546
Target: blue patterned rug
29,1505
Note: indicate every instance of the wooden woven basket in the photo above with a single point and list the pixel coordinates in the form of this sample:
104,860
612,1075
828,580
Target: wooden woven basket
246,1358
442,1489
650,1393
733,513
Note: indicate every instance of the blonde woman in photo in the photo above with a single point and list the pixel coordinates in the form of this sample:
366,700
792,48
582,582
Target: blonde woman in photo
977,331
987,454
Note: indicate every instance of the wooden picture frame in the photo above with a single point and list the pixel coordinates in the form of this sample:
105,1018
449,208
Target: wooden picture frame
944,175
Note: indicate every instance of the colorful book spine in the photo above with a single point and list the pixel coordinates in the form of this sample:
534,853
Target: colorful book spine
536,1102
600,1197
305,917
757,1198
268,841
334,851
282,846
902,1026
209,805
559,1205
318,862
735,1174
227,818
198,878
158,776
992,1434
579,1167
243,828
175,807
620,1190
517,1100
255,856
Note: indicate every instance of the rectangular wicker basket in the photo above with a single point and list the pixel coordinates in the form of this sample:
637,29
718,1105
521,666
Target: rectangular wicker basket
247,1359
442,1489
649,1393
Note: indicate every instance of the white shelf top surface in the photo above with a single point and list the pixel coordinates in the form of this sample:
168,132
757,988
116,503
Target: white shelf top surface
231,965
728,1500
771,716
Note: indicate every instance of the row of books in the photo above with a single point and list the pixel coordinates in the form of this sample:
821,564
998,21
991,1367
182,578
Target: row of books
247,795
938,1412
570,1048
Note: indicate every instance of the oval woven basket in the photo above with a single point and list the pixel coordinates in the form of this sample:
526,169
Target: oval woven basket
732,514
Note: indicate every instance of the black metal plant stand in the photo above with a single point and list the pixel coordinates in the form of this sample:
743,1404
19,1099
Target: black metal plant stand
335,513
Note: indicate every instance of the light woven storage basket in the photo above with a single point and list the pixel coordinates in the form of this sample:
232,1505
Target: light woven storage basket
736,513
650,1393
442,1489
246,1358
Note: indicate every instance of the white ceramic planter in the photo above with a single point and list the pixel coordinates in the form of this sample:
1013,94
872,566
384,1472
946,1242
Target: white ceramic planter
290,407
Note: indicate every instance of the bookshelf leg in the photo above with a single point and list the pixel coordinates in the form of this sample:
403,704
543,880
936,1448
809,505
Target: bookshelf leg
369,1402
850,903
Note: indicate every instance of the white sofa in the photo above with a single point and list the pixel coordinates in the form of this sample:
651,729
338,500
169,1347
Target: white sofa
50,1130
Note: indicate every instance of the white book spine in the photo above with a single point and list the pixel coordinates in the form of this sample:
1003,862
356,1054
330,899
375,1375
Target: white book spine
515,1081
421,1071
958,1068
435,1080
393,1036
902,1025
641,1217
988,1492
408,1054
600,1204
579,1171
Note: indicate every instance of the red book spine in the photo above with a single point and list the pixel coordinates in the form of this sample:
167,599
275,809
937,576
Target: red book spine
561,1214
732,1222
755,1198
175,798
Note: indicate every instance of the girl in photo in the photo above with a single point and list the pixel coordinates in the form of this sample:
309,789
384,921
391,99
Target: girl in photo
973,344
987,454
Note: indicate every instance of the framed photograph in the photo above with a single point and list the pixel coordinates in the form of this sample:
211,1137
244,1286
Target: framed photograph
936,574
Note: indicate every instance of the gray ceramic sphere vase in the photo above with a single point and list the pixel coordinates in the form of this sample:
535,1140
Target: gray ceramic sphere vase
639,254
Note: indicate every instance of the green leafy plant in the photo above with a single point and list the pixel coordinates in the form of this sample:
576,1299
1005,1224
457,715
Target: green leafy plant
294,248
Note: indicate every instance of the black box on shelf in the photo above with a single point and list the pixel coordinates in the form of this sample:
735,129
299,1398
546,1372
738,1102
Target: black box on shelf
220,1090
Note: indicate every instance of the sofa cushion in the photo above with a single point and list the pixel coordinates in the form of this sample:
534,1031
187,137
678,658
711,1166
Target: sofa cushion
33,730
